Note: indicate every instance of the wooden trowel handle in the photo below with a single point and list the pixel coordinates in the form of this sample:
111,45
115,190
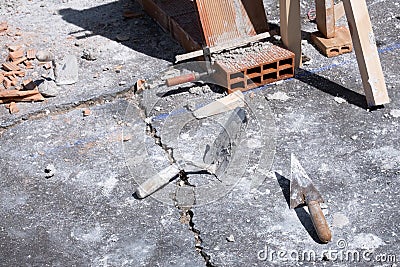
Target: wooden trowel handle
157,181
319,221
182,79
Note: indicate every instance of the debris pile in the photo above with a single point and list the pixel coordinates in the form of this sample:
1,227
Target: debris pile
14,86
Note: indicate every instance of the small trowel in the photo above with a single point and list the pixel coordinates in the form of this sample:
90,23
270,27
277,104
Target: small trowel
302,191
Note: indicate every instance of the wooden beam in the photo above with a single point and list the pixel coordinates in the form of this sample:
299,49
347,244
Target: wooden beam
325,17
366,52
290,27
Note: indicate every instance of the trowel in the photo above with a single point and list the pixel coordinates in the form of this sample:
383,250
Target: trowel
302,191
215,160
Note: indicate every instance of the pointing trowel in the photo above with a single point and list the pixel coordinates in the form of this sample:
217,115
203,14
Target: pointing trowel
302,191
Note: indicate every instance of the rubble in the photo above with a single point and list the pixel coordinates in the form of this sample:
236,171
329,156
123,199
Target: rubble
89,54
66,72
86,112
44,56
3,26
12,107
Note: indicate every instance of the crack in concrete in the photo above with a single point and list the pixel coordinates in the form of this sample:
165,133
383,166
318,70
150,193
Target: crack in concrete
186,213
184,204
67,107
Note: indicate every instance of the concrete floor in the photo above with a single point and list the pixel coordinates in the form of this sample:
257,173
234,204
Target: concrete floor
85,215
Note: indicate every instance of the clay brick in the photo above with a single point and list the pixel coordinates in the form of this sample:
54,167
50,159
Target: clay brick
7,82
12,107
28,65
262,68
336,46
87,112
13,73
19,61
11,66
29,84
16,54
3,26
13,48
31,54
14,81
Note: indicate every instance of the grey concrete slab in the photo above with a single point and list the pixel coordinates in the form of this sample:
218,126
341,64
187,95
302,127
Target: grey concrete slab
85,213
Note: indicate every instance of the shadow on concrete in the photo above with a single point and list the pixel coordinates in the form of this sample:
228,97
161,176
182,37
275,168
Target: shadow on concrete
331,88
145,36
301,213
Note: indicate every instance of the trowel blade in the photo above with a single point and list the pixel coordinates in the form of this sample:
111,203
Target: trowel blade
222,149
302,189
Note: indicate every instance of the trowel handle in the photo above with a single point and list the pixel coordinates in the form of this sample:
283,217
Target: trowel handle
319,221
191,77
158,181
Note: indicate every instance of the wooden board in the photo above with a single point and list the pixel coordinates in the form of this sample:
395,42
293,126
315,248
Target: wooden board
291,28
325,17
366,51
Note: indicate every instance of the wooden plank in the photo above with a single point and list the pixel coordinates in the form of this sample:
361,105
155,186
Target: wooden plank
220,48
325,17
366,51
291,28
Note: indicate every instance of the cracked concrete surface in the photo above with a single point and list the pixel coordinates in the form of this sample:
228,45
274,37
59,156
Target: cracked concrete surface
85,215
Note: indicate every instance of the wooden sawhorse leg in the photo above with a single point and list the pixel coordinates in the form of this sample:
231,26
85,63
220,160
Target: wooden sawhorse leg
291,28
366,51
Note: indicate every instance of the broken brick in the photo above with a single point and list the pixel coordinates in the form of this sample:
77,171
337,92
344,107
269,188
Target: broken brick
7,82
19,73
28,65
8,96
11,66
12,107
13,48
86,112
19,61
29,84
31,54
3,26
16,54
14,81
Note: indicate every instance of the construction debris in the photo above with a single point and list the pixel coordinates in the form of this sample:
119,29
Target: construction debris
26,90
12,107
86,112
44,56
9,96
66,72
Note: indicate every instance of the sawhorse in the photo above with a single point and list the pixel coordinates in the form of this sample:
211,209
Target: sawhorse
361,33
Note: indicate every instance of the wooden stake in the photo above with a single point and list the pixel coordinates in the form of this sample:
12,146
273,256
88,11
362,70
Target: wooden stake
366,52
291,28
325,17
